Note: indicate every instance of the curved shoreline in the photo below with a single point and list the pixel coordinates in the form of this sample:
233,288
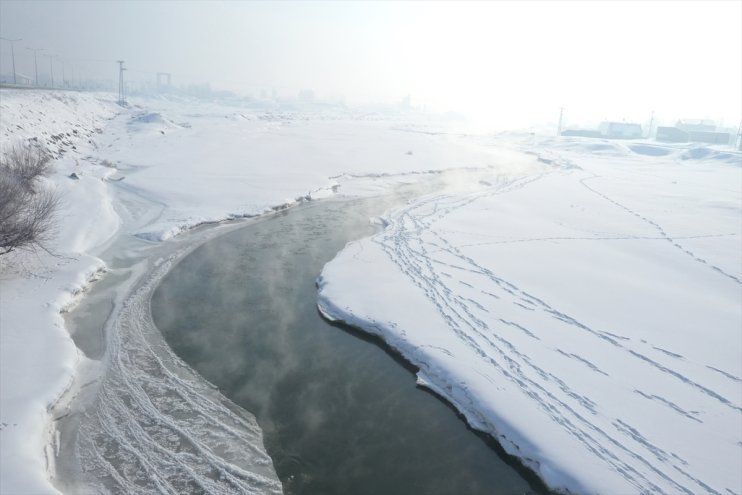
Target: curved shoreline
141,271
138,279
537,484
141,274
40,360
495,440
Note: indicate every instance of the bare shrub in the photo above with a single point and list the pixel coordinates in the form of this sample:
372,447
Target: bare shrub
26,163
27,213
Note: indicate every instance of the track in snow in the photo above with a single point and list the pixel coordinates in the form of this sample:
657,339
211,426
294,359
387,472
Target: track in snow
471,299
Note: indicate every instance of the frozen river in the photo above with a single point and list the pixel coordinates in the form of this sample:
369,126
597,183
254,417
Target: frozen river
339,413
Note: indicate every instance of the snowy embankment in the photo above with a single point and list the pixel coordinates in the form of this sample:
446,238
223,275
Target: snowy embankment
146,173
589,318
37,356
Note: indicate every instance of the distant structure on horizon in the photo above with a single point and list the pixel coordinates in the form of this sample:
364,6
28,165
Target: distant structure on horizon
684,131
609,130
693,131
20,79
696,125
164,81
620,130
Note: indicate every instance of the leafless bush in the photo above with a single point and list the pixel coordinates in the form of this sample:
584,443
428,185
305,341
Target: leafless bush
26,211
26,164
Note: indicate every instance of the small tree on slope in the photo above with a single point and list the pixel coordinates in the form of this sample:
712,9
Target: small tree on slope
26,210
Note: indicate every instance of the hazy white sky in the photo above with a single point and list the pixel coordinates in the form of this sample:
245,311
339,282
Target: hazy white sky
499,60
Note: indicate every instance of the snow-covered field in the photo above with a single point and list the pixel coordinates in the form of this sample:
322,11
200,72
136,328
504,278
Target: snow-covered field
578,299
589,317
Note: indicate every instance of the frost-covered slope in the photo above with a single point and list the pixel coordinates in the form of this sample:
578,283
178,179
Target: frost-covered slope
58,120
589,318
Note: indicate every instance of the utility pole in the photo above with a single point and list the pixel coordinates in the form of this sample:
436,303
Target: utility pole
739,136
561,114
35,63
12,56
122,95
51,68
651,123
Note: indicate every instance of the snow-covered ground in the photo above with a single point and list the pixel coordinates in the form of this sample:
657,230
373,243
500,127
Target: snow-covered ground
204,162
37,356
579,299
144,174
590,317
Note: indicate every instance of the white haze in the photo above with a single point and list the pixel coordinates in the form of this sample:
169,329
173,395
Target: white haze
496,62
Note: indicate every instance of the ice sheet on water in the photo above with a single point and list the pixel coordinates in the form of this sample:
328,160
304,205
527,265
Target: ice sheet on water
157,427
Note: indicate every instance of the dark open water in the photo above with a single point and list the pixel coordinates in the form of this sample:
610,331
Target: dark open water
340,414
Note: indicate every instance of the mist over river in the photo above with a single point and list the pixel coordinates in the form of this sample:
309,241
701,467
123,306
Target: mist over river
340,413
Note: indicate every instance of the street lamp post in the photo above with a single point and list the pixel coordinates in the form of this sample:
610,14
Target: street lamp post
51,69
35,62
12,56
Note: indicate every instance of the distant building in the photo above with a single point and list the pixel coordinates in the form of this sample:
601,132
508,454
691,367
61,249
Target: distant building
694,131
696,125
710,137
620,130
703,131
306,95
671,135
19,78
582,133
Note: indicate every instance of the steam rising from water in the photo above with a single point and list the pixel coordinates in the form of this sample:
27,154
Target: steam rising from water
156,427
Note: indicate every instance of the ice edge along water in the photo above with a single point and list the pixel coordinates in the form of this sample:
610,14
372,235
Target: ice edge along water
503,338
437,379
156,426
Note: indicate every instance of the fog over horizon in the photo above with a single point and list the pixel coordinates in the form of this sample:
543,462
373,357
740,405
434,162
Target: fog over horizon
506,63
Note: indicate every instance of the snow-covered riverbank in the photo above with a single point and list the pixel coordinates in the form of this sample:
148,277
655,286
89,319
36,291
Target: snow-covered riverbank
578,299
37,356
588,317
156,169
